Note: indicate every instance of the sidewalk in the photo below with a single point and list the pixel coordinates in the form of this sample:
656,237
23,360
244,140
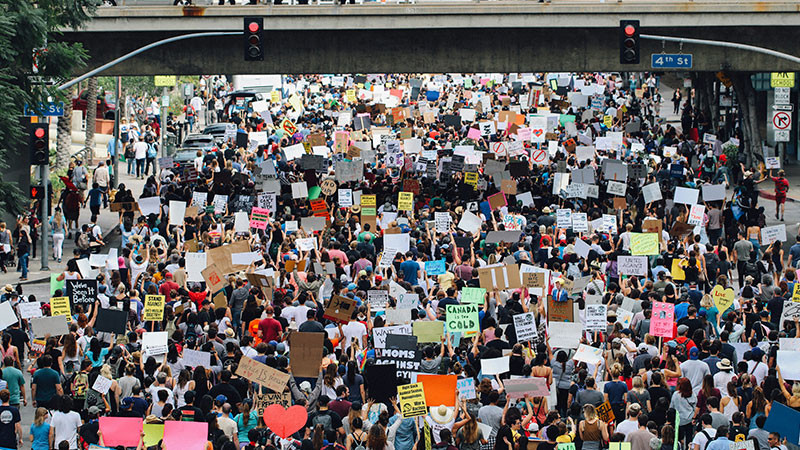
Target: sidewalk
108,222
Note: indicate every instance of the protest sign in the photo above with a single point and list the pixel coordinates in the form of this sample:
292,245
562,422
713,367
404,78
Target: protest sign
773,234
644,244
532,387
59,306
401,353
588,354
473,295
412,400
339,309
307,349
29,309
111,321
463,318
262,374
466,388
262,400
54,326
153,307
82,292
428,331
495,366
525,326
378,299
596,317
379,334
632,265
662,319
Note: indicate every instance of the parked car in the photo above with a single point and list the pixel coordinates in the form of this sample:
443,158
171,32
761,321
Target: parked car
205,142
106,106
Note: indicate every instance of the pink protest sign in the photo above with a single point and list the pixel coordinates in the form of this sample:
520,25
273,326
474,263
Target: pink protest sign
185,435
124,431
474,133
662,319
259,217
532,387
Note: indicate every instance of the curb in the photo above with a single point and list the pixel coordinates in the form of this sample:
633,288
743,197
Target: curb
47,278
771,196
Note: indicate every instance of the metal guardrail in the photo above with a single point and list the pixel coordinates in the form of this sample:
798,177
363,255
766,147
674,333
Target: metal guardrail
83,154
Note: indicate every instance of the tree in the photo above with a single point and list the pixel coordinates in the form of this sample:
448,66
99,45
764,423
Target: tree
91,112
30,53
750,145
64,139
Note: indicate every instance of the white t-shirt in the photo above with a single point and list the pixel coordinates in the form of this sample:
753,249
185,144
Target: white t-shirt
628,426
66,427
140,150
137,269
700,439
760,371
354,330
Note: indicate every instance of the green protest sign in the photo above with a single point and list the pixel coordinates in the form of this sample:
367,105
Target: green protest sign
463,318
473,295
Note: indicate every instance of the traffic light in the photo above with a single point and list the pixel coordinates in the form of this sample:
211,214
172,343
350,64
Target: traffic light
37,192
253,42
629,42
38,144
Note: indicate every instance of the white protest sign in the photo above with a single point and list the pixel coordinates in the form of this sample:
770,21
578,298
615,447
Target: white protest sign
596,317
102,384
442,222
580,223
696,215
379,334
525,326
773,233
632,265
686,196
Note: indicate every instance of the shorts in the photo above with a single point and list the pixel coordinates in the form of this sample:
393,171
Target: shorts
780,198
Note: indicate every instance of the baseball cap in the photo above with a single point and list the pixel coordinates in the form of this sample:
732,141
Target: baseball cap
94,410
682,329
221,398
694,353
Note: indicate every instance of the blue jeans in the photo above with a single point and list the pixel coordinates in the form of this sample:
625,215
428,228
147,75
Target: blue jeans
23,264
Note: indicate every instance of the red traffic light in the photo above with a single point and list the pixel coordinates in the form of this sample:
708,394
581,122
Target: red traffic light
630,30
39,133
253,27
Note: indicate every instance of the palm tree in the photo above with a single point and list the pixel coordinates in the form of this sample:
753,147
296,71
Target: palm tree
91,113
64,139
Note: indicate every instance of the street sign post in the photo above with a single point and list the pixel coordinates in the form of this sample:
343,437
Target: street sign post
783,95
782,120
671,61
789,108
165,80
782,135
50,109
781,79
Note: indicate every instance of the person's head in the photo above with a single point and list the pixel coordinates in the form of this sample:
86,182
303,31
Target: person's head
774,439
685,387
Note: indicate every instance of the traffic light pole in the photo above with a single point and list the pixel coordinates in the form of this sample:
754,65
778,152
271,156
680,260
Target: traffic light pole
45,203
735,45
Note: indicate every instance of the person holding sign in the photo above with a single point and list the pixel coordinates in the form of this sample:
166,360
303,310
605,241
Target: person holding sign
592,430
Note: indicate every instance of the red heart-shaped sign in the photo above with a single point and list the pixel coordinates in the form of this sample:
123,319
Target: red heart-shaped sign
285,422
537,132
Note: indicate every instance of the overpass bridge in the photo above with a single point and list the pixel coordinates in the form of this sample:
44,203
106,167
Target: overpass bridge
439,36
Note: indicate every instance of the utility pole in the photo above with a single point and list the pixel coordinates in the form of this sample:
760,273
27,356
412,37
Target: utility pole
117,147
45,207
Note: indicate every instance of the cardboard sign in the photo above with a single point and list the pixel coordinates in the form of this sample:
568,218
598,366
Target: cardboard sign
497,201
153,307
605,413
533,279
215,280
261,401
262,374
500,277
412,400
340,309
306,353
559,311
428,331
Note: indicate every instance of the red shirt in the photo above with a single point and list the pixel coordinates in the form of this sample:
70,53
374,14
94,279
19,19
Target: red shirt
270,329
167,287
197,298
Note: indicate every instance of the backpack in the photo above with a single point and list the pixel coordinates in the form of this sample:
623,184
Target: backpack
151,151
324,420
681,351
751,268
83,241
707,437
360,445
580,389
190,336
79,385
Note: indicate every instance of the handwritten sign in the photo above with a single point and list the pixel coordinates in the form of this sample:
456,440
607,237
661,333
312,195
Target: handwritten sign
262,374
463,318
662,319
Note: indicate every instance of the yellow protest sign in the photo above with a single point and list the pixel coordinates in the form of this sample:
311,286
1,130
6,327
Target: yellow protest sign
351,95
153,307
608,121
368,201
405,201
471,178
723,298
412,400
275,97
288,126
677,270
796,293
643,244
59,306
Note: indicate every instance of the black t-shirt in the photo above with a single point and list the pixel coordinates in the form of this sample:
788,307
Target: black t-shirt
19,338
9,417
89,430
693,324
228,391
191,414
